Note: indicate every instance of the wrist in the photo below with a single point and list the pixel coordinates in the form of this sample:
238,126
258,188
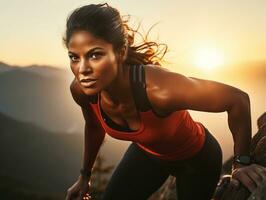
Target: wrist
241,161
85,173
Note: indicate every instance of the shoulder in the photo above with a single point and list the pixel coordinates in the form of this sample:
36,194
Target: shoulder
78,95
162,86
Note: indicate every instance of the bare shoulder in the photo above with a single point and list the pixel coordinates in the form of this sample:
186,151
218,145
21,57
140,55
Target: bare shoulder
158,88
171,91
78,95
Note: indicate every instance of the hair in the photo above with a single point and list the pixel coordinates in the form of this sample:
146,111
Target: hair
105,22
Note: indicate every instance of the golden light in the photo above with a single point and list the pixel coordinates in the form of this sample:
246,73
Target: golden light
207,58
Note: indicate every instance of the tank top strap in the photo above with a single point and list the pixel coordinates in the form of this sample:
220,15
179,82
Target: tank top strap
138,87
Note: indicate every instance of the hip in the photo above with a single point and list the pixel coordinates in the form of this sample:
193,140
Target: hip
207,159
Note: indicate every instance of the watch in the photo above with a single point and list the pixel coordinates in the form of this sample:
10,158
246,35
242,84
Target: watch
242,159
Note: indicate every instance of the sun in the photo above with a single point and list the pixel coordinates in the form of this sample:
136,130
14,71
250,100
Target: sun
208,58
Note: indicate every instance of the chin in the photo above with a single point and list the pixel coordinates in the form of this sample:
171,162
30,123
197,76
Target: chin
90,90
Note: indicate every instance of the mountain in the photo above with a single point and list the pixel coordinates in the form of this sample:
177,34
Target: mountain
4,67
36,161
41,95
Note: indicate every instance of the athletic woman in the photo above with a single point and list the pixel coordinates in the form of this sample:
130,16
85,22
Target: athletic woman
124,91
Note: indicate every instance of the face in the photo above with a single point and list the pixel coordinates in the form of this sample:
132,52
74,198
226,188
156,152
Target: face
92,61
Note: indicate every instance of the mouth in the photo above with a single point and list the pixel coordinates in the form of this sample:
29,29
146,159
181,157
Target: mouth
87,82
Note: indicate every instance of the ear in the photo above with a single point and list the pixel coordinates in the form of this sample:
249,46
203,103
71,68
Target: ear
123,53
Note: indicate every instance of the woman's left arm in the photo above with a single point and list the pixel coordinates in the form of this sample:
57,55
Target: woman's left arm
175,91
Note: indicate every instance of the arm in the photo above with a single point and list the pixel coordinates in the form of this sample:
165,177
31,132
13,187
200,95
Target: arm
93,140
94,133
173,91
205,95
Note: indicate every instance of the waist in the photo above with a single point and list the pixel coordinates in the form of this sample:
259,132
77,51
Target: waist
189,149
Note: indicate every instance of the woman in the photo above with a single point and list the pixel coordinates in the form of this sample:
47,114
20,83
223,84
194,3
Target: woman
123,91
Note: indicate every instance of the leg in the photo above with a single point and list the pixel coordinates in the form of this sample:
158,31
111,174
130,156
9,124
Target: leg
197,177
136,177
205,168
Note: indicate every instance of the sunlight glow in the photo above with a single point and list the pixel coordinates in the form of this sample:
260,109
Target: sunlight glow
208,58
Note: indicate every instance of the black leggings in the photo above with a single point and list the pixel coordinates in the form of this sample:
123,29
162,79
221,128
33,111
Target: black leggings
138,175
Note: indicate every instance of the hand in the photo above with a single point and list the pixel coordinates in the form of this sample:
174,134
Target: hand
79,190
250,176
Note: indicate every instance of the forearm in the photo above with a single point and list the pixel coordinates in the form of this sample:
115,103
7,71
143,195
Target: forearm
239,120
93,139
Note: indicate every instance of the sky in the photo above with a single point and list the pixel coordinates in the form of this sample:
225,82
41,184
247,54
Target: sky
221,31
202,36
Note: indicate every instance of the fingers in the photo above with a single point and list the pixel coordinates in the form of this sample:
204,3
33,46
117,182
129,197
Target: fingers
257,174
261,171
256,177
78,191
84,196
250,176
246,180
249,182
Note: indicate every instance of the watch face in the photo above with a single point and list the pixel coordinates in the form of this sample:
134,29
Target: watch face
243,159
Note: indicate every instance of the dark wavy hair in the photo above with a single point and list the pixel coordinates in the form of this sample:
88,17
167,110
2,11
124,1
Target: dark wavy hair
105,22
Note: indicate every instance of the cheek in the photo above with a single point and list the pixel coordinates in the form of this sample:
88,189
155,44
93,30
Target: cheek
107,68
107,74
74,70
109,59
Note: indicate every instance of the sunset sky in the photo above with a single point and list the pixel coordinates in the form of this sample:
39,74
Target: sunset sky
198,33
203,37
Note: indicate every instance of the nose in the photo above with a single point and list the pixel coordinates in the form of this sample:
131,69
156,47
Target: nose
84,67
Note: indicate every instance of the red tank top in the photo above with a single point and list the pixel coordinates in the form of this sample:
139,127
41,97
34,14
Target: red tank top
174,137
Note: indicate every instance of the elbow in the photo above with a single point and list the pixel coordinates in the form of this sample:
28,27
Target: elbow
242,102
245,98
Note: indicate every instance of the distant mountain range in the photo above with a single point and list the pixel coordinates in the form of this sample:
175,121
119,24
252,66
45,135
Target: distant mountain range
41,95
34,160
4,67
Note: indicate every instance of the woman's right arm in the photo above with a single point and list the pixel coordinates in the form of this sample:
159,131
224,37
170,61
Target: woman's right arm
94,133
93,139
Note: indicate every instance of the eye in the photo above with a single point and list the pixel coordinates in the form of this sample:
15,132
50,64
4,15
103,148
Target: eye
73,58
96,55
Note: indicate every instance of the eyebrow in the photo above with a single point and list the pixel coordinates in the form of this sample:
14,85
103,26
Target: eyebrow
87,53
